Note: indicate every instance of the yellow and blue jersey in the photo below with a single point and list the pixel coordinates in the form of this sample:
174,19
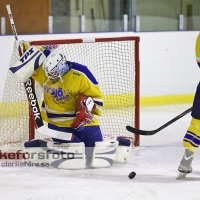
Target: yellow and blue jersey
60,98
197,49
191,139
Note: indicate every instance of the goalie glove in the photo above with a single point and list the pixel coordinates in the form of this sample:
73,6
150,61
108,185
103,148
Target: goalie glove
28,63
84,107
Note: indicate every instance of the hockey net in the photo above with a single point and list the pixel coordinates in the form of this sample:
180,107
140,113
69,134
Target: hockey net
115,64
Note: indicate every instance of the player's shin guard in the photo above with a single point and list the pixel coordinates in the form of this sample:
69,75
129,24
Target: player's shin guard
191,143
104,154
191,139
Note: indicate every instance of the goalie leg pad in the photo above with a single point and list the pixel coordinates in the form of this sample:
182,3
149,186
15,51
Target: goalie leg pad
58,155
123,150
122,154
68,156
104,154
34,154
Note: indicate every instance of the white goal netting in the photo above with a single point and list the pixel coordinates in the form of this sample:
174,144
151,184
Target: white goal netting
113,61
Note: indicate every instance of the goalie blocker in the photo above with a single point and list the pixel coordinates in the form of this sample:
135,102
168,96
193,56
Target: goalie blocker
72,155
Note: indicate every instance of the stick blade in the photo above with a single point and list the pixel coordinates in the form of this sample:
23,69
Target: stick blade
140,132
53,133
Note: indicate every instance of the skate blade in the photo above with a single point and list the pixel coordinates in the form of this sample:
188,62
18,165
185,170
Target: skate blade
181,175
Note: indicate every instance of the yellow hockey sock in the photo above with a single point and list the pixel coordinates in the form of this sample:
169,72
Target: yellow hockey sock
191,139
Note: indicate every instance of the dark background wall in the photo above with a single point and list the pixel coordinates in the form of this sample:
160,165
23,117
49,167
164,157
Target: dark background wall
30,16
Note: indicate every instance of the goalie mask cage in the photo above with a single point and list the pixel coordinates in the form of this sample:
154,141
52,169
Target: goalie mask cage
115,64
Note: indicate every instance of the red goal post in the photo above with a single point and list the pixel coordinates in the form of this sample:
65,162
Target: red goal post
115,64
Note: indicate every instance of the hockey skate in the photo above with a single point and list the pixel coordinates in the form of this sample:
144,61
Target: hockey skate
185,164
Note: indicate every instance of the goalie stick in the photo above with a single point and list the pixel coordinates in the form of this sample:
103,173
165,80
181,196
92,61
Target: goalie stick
143,132
30,91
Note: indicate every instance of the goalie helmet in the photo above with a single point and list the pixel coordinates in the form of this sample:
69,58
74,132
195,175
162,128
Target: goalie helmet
55,65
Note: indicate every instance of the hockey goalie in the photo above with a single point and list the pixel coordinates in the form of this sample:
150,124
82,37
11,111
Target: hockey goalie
72,101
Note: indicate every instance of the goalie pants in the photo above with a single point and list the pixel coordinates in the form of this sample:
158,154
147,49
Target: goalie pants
88,135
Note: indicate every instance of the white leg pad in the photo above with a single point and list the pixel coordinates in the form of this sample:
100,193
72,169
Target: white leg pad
122,154
104,154
70,156
36,156
58,155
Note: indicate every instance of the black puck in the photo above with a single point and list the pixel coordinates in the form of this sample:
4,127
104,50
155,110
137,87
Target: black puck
132,175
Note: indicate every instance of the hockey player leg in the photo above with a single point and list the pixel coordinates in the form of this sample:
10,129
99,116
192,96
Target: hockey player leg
191,143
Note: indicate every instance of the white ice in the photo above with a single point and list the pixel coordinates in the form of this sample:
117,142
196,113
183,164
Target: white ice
155,162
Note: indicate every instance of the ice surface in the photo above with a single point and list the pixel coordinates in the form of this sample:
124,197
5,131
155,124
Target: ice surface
155,163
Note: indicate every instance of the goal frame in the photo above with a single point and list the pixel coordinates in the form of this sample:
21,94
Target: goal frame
91,40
